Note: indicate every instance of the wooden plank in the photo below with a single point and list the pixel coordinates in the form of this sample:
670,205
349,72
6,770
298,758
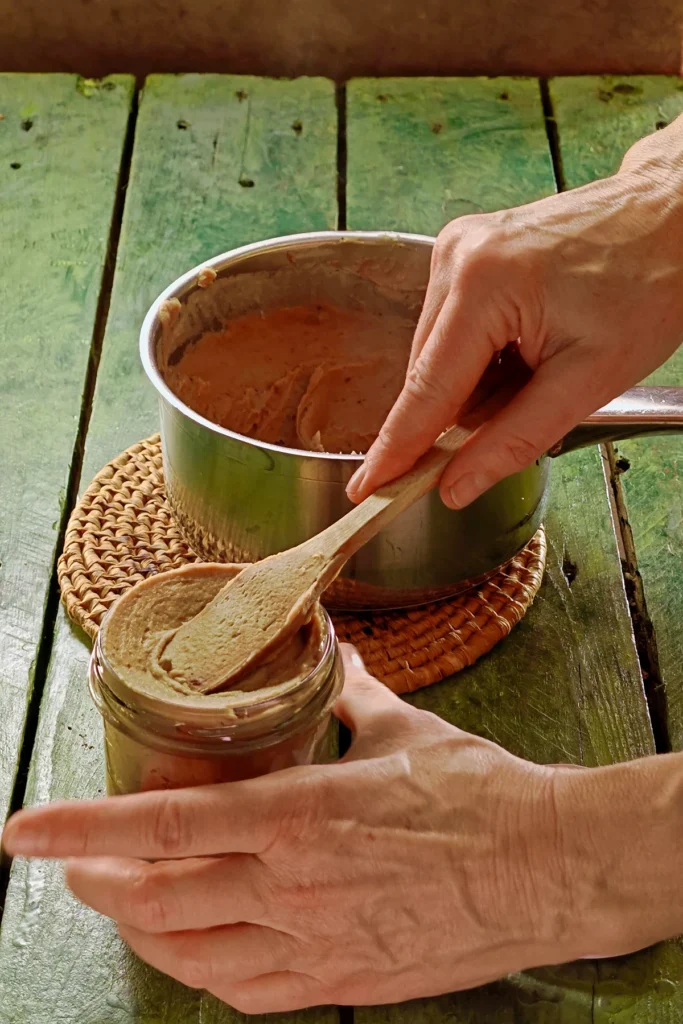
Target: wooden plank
594,134
566,685
217,134
61,143
402,135
598,118
195,137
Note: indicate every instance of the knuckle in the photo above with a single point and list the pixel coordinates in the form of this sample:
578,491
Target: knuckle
421,383
85,841
452,236
385,443
474,242
320,798
453,232
304,898
471,223
194,971
519,452
86,834
147,906
169,826
443,246
302,814
481,252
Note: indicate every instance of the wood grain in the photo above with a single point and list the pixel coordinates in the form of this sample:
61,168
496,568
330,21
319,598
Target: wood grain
423,151
60,152
566,685
59,961
594,134
598,118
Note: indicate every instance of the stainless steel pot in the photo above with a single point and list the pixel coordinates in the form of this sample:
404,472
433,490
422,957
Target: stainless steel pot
236,499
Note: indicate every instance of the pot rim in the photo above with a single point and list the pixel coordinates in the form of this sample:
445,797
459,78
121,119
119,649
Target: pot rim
182,286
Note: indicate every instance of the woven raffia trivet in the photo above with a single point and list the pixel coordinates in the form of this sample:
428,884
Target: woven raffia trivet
122,531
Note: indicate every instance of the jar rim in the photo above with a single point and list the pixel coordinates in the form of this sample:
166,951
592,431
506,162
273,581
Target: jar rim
196,708
230,734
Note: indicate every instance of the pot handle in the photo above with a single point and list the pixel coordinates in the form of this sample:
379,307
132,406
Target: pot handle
642,410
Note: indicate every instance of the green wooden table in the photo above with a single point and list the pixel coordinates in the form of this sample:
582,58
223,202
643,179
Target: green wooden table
108,194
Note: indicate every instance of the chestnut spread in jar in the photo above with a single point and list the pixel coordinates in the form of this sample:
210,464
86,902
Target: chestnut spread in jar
159,733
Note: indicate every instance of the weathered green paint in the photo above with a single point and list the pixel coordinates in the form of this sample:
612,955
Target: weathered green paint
59,961
566,685
598,118
197,137
593,136
423,151
59,162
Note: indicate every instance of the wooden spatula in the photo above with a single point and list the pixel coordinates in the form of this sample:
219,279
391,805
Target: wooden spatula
265,605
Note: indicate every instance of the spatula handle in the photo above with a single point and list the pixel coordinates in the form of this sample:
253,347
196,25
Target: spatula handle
342,539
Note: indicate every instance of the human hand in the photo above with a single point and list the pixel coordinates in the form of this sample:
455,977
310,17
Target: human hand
591,284
427,860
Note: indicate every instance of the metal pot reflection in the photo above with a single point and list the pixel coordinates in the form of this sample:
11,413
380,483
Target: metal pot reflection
237,499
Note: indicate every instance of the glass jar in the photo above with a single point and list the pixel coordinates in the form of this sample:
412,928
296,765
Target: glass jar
170,743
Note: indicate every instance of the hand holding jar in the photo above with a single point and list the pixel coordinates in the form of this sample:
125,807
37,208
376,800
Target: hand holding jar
427,860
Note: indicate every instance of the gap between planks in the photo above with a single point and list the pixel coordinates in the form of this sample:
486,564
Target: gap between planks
341,157
552,134
643,628
44,652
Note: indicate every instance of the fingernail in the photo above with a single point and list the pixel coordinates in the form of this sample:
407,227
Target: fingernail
464,491
356,660
352,656
356,480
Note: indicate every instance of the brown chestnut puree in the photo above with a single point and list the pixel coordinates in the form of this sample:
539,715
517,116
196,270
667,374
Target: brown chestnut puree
319,379
164,744
136,630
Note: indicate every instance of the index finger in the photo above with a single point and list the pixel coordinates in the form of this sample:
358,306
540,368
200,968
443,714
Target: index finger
232,817
442,378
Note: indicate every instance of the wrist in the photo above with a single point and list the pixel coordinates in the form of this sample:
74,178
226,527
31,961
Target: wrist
658,159
620,831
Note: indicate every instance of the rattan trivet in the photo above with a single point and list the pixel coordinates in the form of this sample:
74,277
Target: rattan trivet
122,531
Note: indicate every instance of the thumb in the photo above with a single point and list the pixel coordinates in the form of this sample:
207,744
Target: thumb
363,698
562,392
